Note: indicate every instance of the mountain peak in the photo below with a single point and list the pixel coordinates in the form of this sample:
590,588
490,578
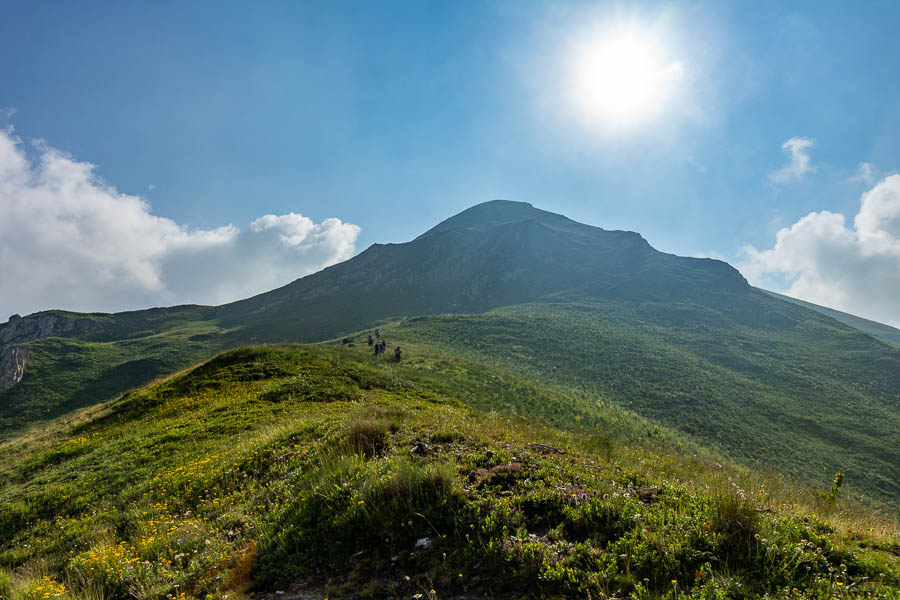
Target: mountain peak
493,254
493,213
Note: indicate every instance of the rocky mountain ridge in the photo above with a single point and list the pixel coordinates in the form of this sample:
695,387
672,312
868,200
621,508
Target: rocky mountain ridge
21,330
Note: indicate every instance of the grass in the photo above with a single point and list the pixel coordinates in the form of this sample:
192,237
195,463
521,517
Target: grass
65,374
250,472
807,398
763,381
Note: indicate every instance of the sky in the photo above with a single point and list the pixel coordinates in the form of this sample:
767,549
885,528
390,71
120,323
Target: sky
163,153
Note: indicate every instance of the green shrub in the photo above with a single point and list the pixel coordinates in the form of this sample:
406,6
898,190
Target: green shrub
368,437
736,521
447,436
836,485
302,389
5,583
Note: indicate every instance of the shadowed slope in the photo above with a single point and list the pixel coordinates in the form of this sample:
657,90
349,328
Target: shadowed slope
493,254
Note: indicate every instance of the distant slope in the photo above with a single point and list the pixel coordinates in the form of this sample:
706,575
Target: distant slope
77,360
780,385
881,330
309,473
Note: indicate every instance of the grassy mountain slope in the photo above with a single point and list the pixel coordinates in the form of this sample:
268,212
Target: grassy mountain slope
359,477
490,255
598,314
493,254
881,330
808,398
97,363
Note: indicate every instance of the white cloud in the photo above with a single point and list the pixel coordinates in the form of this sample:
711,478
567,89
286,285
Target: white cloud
864,174
826,261
800,165
70,240
7,113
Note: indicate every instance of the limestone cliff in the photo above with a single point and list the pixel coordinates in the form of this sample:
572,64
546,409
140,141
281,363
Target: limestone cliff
12,365
20,330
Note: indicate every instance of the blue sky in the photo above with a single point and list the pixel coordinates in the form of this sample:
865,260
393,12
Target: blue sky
393,116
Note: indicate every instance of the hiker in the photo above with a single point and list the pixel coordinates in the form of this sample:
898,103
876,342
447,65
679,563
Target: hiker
377,349
377,334
397,353
383,346
371,341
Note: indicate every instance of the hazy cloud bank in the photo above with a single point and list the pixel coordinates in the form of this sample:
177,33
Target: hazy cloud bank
826,261
69,240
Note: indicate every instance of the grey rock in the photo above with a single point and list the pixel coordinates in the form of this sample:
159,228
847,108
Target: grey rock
20,330
12,365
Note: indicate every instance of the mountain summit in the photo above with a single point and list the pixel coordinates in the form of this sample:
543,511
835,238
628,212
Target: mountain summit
498,212
490,255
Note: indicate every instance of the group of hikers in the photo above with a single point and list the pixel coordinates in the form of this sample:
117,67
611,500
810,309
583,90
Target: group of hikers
381,346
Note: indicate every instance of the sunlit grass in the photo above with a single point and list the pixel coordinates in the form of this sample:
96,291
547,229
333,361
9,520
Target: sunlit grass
206,483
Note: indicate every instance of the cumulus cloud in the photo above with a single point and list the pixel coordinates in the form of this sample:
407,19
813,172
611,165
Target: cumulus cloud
854,268
70,240
800,165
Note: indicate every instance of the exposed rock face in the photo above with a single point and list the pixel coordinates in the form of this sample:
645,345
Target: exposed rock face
12,365
26,329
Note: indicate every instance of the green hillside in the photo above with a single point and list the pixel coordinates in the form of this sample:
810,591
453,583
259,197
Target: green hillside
891,334
328,472
598,315
808,398
67,373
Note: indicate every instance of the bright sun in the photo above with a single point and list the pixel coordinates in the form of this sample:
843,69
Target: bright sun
622,77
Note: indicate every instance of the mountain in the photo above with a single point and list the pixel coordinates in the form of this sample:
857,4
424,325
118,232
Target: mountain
597,314
493,254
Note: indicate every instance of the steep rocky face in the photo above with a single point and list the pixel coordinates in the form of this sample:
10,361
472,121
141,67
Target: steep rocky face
20,330
12,365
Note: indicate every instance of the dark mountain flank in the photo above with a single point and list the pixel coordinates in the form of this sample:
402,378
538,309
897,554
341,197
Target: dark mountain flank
493,254
598,314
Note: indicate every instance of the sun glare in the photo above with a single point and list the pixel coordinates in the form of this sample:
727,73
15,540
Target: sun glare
622,77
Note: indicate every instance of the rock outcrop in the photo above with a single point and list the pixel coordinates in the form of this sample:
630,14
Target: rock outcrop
12,365
20,330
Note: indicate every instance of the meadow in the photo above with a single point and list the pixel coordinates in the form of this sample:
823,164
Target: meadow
361,477
804,396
